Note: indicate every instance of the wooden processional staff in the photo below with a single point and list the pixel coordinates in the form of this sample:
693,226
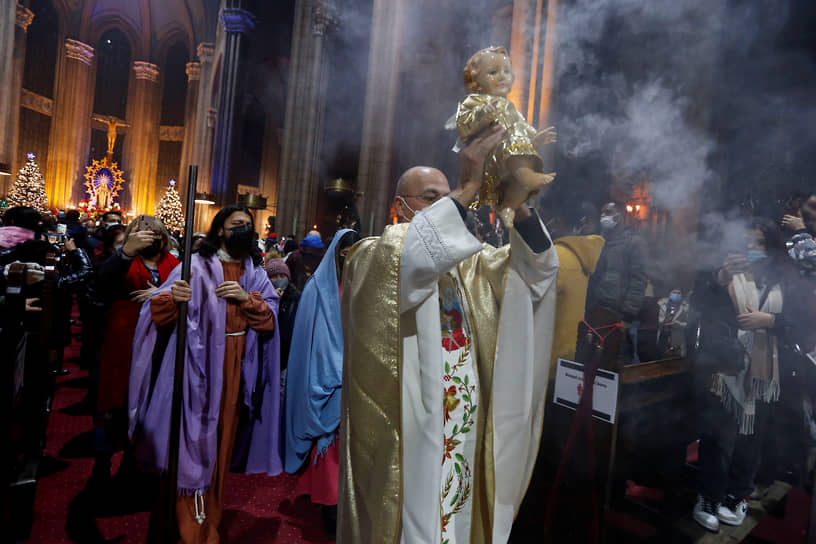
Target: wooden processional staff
167,528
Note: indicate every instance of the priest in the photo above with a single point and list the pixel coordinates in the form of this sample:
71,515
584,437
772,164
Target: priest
447,348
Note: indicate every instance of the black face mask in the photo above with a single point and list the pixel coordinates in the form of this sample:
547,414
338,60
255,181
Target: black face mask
240,240
152,250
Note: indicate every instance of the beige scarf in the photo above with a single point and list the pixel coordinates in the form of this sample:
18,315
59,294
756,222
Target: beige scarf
759,377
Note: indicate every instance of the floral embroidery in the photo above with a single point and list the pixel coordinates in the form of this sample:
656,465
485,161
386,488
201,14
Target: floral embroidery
459,409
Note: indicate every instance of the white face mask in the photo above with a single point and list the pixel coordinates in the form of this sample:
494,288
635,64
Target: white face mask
608,222
404,203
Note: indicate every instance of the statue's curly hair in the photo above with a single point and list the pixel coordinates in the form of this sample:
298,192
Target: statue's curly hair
472,65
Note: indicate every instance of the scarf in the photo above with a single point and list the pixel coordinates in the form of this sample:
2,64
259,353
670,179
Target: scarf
124,314
759,377
257,443
11,236
315,371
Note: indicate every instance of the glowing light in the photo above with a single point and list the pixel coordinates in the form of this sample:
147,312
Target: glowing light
629,208
314,227
637,207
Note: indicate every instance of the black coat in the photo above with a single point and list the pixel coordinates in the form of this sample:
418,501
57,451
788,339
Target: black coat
619,281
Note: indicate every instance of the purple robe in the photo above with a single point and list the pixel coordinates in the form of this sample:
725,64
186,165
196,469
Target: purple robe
257,446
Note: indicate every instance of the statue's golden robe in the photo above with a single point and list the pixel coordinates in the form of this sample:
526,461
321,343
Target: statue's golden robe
391,439
475,113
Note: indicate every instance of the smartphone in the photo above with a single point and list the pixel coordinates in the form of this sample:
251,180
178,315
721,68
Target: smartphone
62,228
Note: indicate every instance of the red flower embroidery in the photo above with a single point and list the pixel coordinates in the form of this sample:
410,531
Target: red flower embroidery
455,341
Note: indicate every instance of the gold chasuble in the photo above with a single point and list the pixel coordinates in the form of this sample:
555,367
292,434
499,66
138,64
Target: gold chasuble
396,399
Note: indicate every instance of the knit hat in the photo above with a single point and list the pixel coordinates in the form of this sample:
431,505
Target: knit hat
312,241
277,266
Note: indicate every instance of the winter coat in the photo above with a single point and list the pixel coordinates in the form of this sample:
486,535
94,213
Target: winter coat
619,281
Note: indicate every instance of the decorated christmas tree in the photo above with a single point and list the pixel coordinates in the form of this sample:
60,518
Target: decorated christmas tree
169,209
29,187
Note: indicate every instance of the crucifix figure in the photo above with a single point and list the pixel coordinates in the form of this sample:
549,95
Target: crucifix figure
112,123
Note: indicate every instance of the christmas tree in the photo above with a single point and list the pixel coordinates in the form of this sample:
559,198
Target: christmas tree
29,187
169,209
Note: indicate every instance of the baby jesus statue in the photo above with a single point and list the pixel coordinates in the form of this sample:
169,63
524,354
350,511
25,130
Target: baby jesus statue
514,165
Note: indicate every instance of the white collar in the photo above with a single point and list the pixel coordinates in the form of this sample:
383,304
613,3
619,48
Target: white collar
226,257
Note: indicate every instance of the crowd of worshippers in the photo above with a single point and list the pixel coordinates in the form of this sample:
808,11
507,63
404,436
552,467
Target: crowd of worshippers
430,331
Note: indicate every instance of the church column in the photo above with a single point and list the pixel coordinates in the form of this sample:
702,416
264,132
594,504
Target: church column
190,114
70,125
299,182
236,22
8,141
204,212
141,150
374,176
202,153
7,43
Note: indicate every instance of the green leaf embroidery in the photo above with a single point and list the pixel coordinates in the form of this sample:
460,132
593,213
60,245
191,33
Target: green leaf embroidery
455,497
465,429
447,368
457,468
455,428
466,379
466,397
460,457
457,379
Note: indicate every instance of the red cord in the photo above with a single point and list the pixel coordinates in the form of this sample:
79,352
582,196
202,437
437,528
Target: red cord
596,330
583,415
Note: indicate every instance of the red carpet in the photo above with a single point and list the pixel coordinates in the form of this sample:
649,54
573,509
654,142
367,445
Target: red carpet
258,508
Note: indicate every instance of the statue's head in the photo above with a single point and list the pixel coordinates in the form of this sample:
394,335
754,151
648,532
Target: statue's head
489,71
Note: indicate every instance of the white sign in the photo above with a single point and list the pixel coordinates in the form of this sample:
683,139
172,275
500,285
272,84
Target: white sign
569,386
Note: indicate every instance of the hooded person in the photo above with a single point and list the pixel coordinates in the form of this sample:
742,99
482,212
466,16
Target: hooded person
314,380
231,391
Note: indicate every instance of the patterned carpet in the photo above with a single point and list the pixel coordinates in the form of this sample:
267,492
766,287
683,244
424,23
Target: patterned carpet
258,508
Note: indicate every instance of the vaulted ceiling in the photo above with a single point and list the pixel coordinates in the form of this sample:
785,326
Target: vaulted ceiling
151,25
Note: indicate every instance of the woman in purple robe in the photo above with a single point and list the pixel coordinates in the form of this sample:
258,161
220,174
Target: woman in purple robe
231,390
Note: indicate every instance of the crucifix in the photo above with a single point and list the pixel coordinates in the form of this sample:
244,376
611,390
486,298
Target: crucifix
112,123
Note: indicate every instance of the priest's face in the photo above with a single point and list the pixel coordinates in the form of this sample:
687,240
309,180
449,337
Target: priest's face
418,188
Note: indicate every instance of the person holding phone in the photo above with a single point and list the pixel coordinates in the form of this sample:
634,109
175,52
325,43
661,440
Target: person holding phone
126,281
754,290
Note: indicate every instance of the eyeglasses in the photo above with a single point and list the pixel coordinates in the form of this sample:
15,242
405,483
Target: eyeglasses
426,198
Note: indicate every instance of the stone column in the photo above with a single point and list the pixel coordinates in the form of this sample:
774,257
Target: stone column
299,182
202,150
70,125
8,154
7,43
270,168
205,213
141,150
375,176
235,22
190,114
